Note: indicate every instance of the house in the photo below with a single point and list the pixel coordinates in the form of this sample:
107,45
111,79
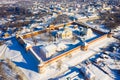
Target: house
89,32
87,73
61,46
67,33
48,50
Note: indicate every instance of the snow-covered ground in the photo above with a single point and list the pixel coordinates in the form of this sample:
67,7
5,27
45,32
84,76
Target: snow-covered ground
77,57
2,50
24,60
29,65
74,73
99,72
6,73
110,70
117,34
100,27
43,39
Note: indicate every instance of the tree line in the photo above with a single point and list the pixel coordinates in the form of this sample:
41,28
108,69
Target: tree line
111,20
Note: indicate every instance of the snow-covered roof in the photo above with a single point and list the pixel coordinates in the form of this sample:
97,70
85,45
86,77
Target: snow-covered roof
27,45
61,46
48,50
84,43
50,47
98,59
87,72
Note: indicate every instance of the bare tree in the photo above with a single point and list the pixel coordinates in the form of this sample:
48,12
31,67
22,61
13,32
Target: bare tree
69,56
111,20
33,38
74,38
59,64
60,19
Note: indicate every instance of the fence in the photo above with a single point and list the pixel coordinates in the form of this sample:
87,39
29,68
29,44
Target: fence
72,51
61,56
97,39
35,33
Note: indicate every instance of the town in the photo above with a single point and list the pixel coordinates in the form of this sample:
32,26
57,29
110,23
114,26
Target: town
59,40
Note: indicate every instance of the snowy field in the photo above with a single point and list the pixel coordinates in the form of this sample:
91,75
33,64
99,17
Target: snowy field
24,60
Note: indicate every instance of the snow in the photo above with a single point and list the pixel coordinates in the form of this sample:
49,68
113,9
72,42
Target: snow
80,56
67,44
7,73
2,49
48,50
100,27
61,46
111,67
92,67
70,75
97,71
87,72
29,64
24,60
51,71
